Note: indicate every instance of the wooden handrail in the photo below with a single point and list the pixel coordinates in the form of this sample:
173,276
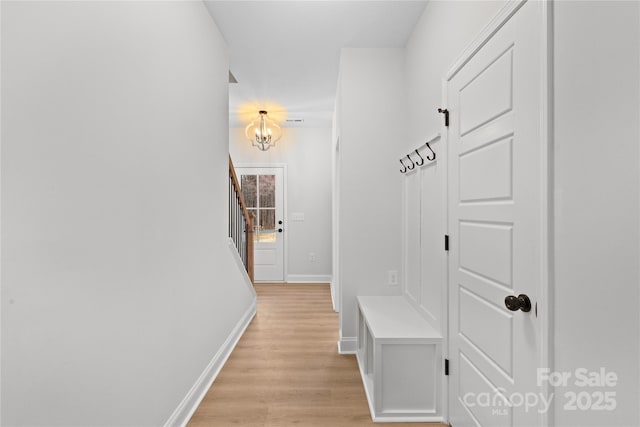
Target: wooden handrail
236,186
248,218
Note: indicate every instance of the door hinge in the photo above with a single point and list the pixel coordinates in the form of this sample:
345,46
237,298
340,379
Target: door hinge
446,242
446,366
446,115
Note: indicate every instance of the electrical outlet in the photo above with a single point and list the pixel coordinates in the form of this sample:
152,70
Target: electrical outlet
312,256
392,276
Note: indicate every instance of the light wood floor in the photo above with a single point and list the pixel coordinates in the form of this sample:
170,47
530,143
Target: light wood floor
286,369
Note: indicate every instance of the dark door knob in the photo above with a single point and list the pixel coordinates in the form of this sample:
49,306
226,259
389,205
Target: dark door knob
279,230
280,222
520,302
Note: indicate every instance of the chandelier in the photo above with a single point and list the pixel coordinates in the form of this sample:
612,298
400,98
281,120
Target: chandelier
263,132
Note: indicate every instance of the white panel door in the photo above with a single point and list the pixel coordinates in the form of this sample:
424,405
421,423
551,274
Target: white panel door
263,192
495,223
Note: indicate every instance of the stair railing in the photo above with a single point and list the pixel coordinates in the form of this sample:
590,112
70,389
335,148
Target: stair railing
240,222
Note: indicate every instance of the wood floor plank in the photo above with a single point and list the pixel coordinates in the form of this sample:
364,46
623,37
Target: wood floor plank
286,370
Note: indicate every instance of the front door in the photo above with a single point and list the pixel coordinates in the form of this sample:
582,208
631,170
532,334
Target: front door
496,203
263,192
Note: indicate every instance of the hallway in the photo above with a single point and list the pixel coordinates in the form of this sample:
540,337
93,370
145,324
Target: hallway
286,369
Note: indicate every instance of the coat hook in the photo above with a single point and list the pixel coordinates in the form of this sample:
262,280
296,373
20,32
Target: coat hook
421,159
433,157
413,165
405,167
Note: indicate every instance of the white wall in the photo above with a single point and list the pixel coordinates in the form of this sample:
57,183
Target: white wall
370,109
335,207
118,287
441,34
596,140
307,154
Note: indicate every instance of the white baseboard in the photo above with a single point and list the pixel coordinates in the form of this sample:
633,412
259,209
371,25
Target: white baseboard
189,404
348,345
309,278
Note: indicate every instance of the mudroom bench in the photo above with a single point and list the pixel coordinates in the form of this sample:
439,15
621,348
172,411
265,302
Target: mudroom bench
400,359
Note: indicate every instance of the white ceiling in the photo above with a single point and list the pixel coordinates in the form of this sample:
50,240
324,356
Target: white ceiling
285,54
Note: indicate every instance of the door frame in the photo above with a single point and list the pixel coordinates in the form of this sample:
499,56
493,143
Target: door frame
283,166
545,302
335,229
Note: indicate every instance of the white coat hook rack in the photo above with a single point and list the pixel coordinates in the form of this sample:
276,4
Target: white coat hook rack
430,156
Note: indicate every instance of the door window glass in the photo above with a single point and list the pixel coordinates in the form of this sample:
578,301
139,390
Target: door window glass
248,184
260,197
267,191
267,225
